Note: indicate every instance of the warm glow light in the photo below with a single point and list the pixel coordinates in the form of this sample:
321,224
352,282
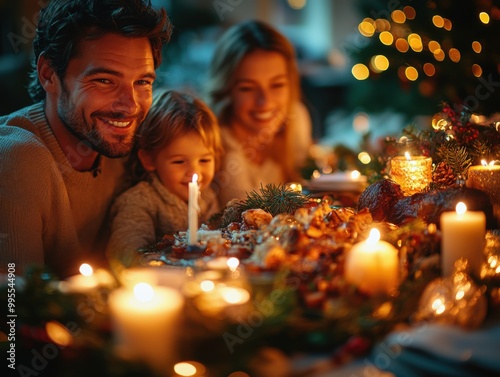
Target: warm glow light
461,208
410,12
439,55
143,292
386,38
484,18
185,369
364,158
438,306
86,269
415,42
58,333
374,236
233,263
429,69
207,285
360,71
411,73
438,21
402,45
447,24
398,16
477,70
366,28
379,63
355,174
433,46
297,4
408,156
454,55
476,47
234,295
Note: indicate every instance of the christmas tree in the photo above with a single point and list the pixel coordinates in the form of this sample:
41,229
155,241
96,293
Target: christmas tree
412,55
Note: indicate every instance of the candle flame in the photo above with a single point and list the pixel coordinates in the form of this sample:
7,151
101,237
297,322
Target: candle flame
144,292
195,178
207,285
86,269
374,236
484,163
407,155
461,208
233,263
235,295
355,174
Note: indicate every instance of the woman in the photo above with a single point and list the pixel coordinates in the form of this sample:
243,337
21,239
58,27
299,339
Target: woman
254,90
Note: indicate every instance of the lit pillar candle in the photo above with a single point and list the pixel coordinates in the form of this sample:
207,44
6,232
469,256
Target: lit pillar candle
462,236
145,322
486,177
372,265
193,207
412,173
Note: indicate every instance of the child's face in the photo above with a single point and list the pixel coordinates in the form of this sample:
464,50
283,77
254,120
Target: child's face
176,163
261,93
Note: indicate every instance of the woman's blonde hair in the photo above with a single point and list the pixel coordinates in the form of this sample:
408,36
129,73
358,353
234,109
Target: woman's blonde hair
174,114
234,45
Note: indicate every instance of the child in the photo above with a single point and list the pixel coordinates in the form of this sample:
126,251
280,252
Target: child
179,137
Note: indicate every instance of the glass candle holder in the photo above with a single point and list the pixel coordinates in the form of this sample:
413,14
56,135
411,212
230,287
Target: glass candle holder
412,174
485,178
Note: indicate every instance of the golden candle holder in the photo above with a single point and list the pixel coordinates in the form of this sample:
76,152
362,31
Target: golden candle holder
413,174
487,179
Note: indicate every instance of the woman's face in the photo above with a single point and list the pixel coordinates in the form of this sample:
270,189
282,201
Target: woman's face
260,94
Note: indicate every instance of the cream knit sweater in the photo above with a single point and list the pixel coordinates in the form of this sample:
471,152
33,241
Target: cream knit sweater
143,214
50,214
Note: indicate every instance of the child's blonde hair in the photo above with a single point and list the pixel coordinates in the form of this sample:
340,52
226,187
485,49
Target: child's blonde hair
174,114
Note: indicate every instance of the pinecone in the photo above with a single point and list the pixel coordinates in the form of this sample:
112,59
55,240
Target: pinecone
443,175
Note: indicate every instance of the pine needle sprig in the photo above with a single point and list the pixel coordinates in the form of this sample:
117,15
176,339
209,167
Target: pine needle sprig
455,156
275,199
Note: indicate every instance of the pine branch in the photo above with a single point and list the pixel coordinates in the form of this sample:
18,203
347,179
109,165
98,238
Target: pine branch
275,199
455,156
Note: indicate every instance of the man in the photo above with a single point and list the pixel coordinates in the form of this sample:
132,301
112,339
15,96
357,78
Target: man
60,159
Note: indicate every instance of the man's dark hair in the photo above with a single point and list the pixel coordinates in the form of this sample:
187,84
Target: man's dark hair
64,23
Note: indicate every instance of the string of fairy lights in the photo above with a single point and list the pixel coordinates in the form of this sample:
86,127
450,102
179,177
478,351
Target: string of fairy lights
396,32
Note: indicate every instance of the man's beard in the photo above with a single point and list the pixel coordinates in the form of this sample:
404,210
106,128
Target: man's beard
88,134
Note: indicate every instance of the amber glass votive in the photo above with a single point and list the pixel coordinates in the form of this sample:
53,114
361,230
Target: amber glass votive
413,174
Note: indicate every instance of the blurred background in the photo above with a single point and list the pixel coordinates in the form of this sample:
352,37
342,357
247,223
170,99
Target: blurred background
367,66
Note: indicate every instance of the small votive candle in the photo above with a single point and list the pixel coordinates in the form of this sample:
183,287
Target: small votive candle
462,236
373,265
146,321
412,173
87,280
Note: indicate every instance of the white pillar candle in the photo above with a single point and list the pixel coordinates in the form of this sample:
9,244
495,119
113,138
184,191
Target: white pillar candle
372,265
145,322
193,208
462,236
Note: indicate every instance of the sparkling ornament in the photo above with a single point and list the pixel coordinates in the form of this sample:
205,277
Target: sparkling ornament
454,300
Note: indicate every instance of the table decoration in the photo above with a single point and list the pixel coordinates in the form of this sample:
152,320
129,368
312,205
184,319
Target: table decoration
412,173
87,280
372,265
455,299
463,236
339,181
193,209
145,322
